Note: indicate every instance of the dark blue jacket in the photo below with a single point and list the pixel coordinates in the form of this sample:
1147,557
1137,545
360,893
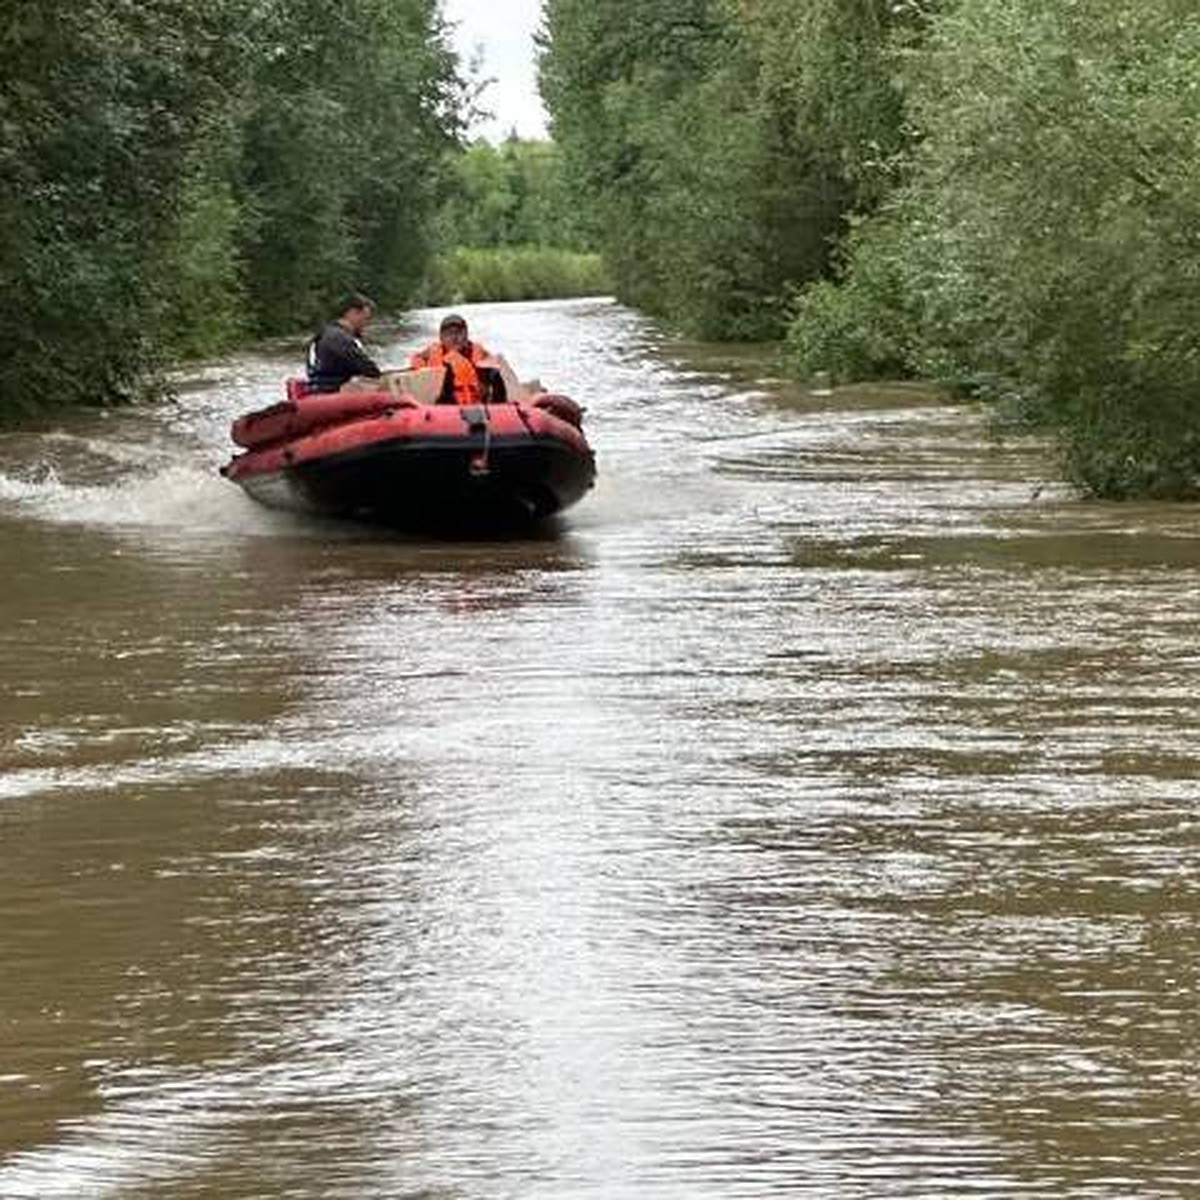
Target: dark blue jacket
336,355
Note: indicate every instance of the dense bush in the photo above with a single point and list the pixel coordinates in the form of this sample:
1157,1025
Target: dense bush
514,194
1001,194
863,325
509,229
175,176
1043,251
721,146
100,107
514,273
346,133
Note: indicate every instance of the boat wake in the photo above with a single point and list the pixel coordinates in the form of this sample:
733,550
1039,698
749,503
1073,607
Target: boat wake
176,497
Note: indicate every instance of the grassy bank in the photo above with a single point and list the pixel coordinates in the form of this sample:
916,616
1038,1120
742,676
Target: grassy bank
514,273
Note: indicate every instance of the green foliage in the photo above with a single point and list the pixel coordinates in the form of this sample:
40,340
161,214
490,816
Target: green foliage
296,233
863,326
202,303
512,195
828,73
1001,194
511,229
721,146
352,109
1049,227
176,176
99,105
514,273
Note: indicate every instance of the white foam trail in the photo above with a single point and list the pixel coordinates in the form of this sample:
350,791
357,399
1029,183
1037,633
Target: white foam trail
270,753
175,496
131,454
18,491
178,498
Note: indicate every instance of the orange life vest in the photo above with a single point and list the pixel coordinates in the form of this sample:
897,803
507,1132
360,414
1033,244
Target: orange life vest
468,387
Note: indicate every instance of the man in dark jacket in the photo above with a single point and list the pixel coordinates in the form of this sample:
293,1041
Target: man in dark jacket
336,354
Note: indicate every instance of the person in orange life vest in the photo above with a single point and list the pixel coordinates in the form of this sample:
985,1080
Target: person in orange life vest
469,377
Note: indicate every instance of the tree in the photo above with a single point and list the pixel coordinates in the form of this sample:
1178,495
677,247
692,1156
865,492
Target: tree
716,145
178,175
511,195
352,109
100,104
1046,241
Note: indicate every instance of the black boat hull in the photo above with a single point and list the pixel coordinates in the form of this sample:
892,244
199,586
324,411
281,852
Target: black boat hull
474,483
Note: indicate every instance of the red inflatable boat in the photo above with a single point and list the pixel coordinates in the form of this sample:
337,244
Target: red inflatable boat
385,456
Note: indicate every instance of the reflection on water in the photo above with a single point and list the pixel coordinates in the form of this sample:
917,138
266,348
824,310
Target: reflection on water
813,813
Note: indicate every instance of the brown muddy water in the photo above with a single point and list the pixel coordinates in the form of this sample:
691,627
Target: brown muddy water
814,812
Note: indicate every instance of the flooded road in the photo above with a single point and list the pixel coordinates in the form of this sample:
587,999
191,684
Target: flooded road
814,812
